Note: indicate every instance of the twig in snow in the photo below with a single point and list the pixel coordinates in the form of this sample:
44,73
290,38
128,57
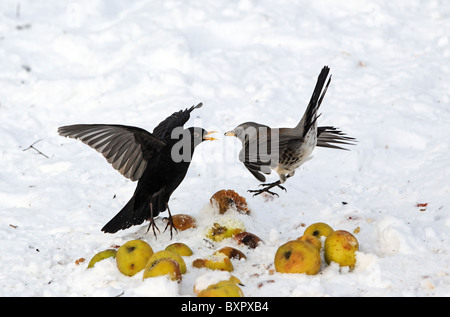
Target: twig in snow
32,147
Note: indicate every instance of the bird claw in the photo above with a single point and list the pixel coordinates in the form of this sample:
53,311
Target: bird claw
153,226
170,222
171,225
264,190
270,185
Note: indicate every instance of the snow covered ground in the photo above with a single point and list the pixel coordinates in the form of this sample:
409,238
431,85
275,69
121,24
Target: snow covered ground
136,62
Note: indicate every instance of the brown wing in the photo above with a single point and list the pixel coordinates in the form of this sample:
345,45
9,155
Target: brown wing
127,149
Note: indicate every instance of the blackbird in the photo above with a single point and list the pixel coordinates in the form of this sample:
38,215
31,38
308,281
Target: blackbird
158,161
284,149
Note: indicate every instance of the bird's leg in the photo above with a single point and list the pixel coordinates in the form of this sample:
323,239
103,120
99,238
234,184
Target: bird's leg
269,186
152,222
170,222
277,183
266,189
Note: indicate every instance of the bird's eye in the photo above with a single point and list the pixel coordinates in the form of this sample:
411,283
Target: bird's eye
196,135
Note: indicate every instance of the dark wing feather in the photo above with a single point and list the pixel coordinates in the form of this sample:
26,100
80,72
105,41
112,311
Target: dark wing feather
164,129
257,155
127,149
255,170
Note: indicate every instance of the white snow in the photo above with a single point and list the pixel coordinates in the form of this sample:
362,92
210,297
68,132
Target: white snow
137,62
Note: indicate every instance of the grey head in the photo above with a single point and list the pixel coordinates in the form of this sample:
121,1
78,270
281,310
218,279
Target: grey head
260,146
247,130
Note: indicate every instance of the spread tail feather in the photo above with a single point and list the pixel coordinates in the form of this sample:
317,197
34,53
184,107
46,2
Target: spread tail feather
330,136
310,116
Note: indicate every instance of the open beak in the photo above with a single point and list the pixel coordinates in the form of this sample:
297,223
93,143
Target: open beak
229,133
209,138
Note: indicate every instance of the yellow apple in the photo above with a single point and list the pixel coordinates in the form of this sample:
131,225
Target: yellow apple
225,229
235,280
164,266
311,239
231,253
213,277
133,256
297,257
319,229
168,254
101,256
222,289
340,247
215,262
180,249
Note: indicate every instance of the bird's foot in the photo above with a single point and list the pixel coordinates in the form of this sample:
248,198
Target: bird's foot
267,188
171,225
270,185
154,227
170,222
263,190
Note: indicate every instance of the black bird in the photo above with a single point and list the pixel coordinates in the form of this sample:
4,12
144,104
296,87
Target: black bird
158,161
285,149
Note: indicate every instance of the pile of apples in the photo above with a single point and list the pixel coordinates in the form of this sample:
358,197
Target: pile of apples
303,254
137,255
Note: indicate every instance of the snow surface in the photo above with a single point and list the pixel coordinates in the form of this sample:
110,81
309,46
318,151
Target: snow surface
136,62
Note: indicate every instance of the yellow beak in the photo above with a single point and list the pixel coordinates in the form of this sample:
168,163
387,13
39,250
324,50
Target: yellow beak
229,133
209,138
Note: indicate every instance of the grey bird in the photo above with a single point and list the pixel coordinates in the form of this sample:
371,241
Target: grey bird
285,149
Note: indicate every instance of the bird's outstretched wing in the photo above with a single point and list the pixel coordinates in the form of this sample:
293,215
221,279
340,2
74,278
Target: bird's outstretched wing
163,130
128,149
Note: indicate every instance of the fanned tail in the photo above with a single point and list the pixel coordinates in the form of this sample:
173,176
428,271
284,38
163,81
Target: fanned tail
330,136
